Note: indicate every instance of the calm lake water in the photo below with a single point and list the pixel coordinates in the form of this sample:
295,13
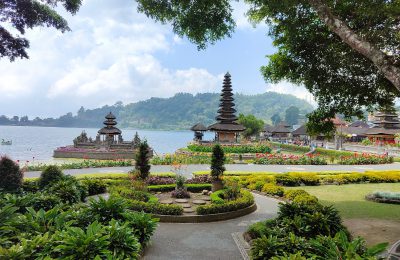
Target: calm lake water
37,143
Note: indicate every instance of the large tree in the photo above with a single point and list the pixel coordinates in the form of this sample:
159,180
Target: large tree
344,52
292,115
26,14
253,125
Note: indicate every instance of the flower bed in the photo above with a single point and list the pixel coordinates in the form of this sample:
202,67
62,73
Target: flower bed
289,159
306,149
364,158
80,165
171,159
259,148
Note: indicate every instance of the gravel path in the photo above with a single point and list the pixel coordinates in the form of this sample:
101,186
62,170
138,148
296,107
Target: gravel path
236,167
206,240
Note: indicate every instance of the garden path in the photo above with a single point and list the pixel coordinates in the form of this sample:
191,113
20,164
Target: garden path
235,167
197,241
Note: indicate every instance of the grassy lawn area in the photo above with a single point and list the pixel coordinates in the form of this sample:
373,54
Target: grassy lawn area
349,200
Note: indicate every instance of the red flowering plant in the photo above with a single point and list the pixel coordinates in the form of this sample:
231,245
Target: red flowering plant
290,159
365,158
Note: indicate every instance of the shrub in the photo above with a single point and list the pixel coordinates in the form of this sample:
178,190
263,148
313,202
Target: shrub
123,242
217,197
94,186
291,194
180,193
49,175
77,243
245,200
232,149
11,176
142,165
104,210
158,180
180,181
199,179
69,190
129,193
306,178
156,208
272,189
217,162
42,201
287,180
143,225
30,185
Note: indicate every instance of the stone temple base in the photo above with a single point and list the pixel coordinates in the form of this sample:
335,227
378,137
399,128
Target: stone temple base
97,155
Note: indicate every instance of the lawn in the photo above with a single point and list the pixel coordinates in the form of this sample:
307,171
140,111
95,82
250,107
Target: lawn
349,200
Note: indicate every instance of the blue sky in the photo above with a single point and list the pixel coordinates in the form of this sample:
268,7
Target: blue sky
115,54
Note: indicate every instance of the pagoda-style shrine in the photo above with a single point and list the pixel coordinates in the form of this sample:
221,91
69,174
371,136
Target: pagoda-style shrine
386,125
110,132
198,130
227,128
108,144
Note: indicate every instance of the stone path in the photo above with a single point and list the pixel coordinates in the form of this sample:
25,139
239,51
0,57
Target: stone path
198,241
236,167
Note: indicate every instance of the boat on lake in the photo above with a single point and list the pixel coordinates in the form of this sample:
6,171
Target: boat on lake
4,142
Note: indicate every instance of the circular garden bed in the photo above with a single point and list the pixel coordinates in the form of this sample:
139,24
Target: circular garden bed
201,206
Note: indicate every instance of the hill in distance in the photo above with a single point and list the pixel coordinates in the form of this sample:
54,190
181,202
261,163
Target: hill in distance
175,113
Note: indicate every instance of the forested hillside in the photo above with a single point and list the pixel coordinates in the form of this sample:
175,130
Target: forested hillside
178,112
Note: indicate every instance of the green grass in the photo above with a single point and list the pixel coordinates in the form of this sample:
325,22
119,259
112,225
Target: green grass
349,199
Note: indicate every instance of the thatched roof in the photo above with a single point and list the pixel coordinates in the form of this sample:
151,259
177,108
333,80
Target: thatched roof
280,129
109,131
199,128
351,130
302,130
359,123
268,128
233,127
381,131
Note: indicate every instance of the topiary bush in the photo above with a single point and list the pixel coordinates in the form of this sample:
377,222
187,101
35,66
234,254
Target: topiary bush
11,177
273,189
50,174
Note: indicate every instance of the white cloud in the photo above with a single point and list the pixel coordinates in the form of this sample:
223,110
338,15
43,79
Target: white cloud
295,90
110,55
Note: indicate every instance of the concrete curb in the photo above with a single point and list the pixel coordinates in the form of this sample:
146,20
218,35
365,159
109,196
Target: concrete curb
206,218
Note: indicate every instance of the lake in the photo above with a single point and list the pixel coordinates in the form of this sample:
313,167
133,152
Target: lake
30,143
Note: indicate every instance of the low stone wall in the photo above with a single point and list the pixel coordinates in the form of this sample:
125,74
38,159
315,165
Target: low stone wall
94,155
206,218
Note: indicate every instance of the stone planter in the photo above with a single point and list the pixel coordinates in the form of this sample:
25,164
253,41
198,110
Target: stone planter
217,185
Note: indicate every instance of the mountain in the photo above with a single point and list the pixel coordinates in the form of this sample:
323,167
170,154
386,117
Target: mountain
178,112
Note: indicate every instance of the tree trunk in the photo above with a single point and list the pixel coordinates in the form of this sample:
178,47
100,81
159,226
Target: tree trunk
381,60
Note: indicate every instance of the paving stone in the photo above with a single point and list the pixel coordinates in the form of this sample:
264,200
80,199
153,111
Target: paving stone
188,210
181,201
206,198
199,202
167,201
187,205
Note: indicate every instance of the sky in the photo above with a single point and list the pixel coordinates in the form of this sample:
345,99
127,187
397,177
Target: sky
113,53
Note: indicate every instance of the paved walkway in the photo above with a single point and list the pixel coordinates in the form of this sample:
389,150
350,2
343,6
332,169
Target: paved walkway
236,167
206,240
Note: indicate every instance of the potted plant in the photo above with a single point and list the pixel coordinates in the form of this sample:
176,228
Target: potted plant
217,167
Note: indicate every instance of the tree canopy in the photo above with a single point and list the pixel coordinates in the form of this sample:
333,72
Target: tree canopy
346,53
253,125
276,119
26,14
292,115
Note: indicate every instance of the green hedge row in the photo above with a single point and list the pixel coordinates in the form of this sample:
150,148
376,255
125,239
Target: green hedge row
232,149
155,208
246,200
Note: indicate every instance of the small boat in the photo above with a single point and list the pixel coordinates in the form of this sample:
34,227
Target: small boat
3,142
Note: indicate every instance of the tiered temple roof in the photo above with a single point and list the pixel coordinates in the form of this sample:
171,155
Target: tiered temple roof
110,124
226,113
385,123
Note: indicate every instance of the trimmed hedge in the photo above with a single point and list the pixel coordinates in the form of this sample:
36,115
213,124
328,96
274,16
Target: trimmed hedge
156,208
232,149
233,173
170,187
246,200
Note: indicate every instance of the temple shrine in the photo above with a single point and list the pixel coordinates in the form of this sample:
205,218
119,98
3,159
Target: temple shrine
386,126
226,129
108,144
